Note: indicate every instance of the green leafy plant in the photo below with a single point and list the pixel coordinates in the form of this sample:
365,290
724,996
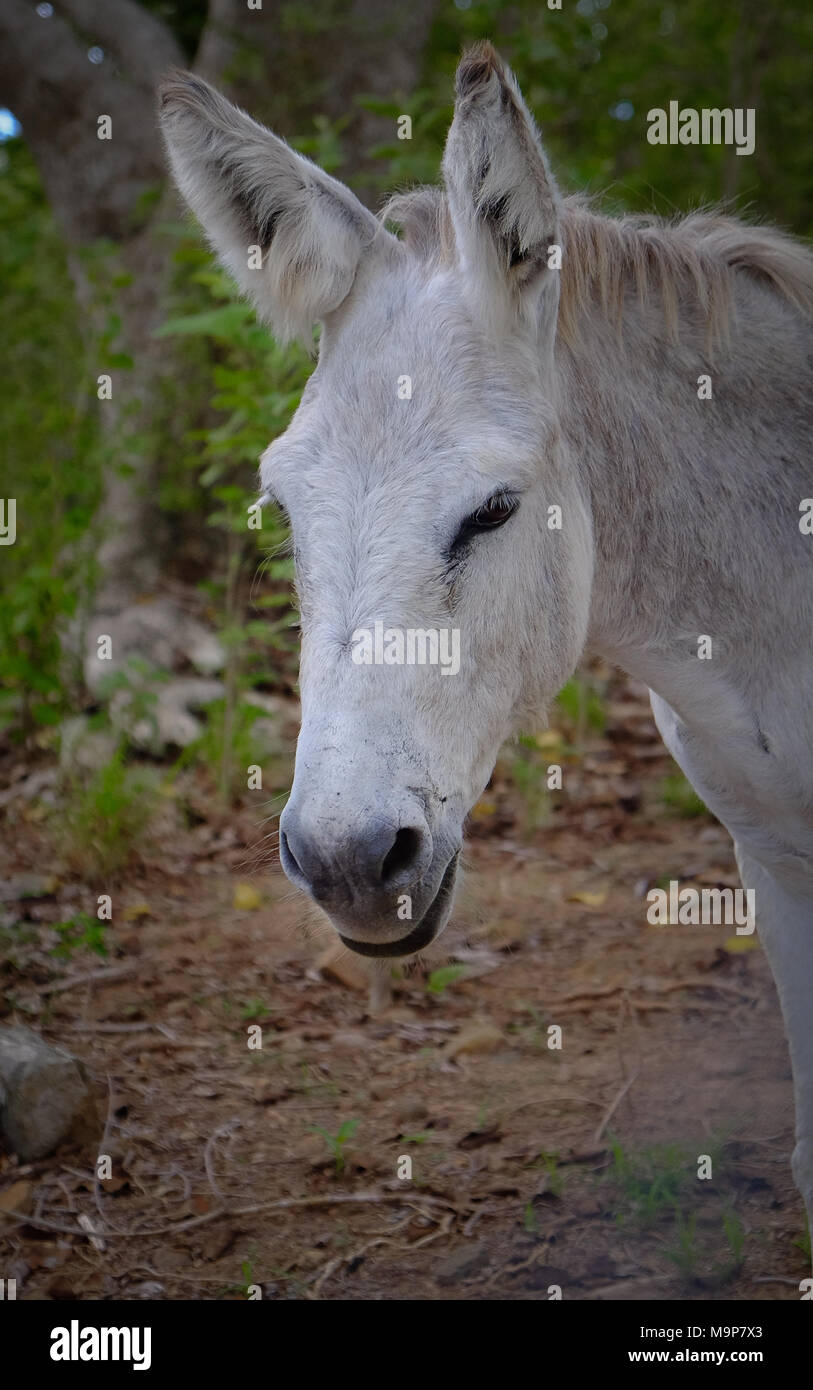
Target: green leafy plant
530,1220
49,458
549,1162
225,455
651,1183
254,1008
803,1243
699,1259
529,770
581,701
681,798
102,820
445,975
81,931
337,1143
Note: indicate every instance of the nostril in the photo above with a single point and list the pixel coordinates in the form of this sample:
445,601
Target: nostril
403,854
287,852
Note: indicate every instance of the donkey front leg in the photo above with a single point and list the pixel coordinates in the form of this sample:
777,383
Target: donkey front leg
784,914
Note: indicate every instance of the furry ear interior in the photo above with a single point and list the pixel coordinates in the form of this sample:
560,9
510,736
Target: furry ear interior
503,200
291,235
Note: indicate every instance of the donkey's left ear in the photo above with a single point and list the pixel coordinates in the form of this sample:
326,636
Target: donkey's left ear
503,200
291,235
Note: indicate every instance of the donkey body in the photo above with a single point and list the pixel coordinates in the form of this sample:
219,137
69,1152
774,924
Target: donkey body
683,553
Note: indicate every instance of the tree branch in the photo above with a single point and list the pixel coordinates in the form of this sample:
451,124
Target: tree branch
57,94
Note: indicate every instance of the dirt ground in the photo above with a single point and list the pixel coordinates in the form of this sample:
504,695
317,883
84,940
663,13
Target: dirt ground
533,1167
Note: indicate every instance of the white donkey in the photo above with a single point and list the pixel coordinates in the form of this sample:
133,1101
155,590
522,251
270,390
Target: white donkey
609,457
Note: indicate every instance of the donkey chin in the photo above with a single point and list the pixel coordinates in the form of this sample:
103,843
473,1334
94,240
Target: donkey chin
430,925
387,891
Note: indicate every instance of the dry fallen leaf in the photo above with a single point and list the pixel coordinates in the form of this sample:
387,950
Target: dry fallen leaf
594,899
246,897
135,910
736,945
15,1198
551,738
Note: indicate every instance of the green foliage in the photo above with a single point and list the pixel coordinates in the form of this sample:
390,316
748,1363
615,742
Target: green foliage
102,820
581,702
445,975
530,1220
652,1183
681,798
657,1184
253,387
694,1257
804,1243
586,67
229,389
529,770
253,1009
337,1143
81,931
47,456
227,746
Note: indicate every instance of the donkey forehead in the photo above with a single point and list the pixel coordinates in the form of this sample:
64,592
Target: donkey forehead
409,392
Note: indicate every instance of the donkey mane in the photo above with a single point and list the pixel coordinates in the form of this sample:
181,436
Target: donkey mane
603,256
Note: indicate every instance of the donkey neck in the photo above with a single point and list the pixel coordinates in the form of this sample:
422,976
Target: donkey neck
695,502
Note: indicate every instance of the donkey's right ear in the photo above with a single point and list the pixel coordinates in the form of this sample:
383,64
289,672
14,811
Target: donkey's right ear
291,236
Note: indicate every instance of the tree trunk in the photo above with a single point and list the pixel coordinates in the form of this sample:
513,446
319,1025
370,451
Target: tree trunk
114,189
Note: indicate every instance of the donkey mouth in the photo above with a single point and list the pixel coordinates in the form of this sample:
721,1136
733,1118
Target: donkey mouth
427,929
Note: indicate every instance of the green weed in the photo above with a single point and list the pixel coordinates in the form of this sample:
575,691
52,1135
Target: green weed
337,1143
103,820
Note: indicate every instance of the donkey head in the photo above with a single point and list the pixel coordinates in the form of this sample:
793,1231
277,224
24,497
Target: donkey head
442,605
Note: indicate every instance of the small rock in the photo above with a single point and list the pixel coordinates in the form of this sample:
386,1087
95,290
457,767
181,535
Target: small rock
83,749
28,886
44,1095
463,1261
480,1037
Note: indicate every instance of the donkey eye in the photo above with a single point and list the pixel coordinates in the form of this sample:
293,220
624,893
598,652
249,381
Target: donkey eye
489,515
493,512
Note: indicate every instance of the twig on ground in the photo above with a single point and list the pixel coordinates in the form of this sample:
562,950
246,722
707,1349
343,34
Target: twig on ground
599,1134
115,972
281,1204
